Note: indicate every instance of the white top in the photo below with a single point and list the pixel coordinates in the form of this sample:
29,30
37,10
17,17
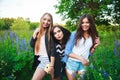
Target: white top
82,48
42,51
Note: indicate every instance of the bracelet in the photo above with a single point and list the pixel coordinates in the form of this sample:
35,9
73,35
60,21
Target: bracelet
51,66
94,48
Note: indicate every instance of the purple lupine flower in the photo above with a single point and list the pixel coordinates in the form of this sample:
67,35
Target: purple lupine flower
5,37
91,66
9,77
115,51
20,45
105,74
11,35
24,43
117,47
16,39
12,43
118,43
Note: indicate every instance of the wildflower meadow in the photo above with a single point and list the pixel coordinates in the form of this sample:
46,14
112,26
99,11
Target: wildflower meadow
16,56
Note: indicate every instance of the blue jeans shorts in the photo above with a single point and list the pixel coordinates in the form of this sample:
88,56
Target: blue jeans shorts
74,67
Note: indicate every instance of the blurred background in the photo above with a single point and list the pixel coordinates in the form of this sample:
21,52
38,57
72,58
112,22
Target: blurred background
19,18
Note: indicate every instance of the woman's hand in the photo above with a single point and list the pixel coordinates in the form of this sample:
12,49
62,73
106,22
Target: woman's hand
84,62
35,32
51,69
96,43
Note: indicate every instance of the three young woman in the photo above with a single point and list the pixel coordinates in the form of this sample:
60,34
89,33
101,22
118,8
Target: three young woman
49,44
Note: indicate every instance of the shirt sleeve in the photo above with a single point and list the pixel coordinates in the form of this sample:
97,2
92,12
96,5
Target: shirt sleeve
32,42
70,44
52,47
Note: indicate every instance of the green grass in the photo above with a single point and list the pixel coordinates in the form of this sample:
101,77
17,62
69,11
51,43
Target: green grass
16,57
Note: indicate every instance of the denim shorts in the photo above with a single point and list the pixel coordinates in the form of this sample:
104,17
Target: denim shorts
43,62
73,65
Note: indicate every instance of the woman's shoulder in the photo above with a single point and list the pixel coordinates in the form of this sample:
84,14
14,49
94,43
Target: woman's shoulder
73,33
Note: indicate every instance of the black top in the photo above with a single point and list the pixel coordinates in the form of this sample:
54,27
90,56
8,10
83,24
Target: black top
50,52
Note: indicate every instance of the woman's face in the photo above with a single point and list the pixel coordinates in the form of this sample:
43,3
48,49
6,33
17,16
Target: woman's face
46,21
58,34
85,24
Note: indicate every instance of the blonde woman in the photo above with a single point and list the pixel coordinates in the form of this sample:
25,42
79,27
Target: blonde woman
43,46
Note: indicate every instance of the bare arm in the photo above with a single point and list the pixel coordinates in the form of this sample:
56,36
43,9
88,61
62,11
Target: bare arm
97,43
84,62
34,38
35,33
51,67
52,61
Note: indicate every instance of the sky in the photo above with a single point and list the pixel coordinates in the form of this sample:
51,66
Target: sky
32,9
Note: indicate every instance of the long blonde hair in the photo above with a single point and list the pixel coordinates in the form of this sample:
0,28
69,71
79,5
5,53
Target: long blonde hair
41,32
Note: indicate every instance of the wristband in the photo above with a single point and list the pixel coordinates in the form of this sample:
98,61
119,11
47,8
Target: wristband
51,66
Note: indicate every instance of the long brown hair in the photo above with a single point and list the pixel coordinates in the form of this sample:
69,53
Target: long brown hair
92,30
41,32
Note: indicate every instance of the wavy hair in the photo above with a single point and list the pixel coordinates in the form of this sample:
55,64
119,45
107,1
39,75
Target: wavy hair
41,32
92,30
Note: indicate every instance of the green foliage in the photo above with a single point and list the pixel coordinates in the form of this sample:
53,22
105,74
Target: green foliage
16,56
2,24
33,25
20,24
103,11
23,65
104,62
23,34
108,28
116,11
5,23
17,24
70,26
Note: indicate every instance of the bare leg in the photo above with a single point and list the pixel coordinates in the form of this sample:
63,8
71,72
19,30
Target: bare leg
39,74
81,73
70,76
52,76
58,78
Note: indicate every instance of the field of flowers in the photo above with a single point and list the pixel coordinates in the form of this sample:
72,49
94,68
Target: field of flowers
105,62
16,57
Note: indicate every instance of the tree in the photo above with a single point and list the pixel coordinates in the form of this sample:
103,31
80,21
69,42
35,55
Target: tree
116,11
34,25
8,22
73,9
5,23
20,24
2,24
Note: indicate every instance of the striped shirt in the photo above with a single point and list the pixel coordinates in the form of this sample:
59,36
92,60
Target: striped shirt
59,50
